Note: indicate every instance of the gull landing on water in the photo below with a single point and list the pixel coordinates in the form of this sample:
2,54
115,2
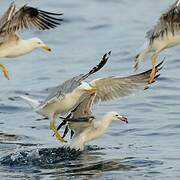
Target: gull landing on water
5,71
81,121
165,34
14,20
85,126
65,97
92,129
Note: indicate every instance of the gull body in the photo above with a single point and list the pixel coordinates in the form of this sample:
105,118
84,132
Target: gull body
81,120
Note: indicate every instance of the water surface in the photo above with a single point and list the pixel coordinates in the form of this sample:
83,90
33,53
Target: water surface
146,148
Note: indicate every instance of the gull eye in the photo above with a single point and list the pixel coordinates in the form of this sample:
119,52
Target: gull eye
116,115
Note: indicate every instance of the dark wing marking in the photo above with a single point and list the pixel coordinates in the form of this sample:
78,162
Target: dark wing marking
29,17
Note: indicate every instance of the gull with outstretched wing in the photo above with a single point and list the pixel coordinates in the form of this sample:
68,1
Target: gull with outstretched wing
15,20
83,124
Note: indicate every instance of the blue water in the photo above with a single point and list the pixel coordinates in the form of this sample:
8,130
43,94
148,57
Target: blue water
146,148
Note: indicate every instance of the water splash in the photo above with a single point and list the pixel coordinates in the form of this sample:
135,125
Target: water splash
39,156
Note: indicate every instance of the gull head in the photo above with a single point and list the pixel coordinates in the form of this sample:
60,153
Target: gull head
85,87
116,116
38,43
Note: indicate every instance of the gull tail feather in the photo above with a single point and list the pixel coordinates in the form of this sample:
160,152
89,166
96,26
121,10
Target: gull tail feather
33,103
140,57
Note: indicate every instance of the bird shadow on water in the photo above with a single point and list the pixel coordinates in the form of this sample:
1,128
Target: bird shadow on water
64,161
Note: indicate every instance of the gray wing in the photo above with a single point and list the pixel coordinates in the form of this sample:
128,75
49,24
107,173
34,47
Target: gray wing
28,17
58,93
169,22
82,115
113,87
8,14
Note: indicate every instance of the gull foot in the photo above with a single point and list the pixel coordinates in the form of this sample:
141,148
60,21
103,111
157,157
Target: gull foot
152,75
56,133
5,71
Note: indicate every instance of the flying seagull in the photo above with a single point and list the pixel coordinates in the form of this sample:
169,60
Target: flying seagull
65,97
83,124
15,20
165,34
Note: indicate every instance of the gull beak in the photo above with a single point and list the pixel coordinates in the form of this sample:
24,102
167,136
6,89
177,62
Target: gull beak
123,118
91,91
46,48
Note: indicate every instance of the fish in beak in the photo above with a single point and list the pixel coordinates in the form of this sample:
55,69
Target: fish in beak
123,118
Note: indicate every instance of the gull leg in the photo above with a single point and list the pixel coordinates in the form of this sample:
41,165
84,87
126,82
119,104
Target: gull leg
153,72
54,129
5,71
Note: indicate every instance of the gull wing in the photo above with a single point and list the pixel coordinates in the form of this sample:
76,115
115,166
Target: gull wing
81,116
113,87
58,93
169,22
28,17
8,14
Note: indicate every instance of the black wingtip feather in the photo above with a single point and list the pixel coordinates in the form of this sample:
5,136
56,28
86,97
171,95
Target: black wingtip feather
99,66
47,12
49,20
47,24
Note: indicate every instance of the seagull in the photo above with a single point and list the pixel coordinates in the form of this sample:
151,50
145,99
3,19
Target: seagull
84,125
15,20
65,97
165,34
